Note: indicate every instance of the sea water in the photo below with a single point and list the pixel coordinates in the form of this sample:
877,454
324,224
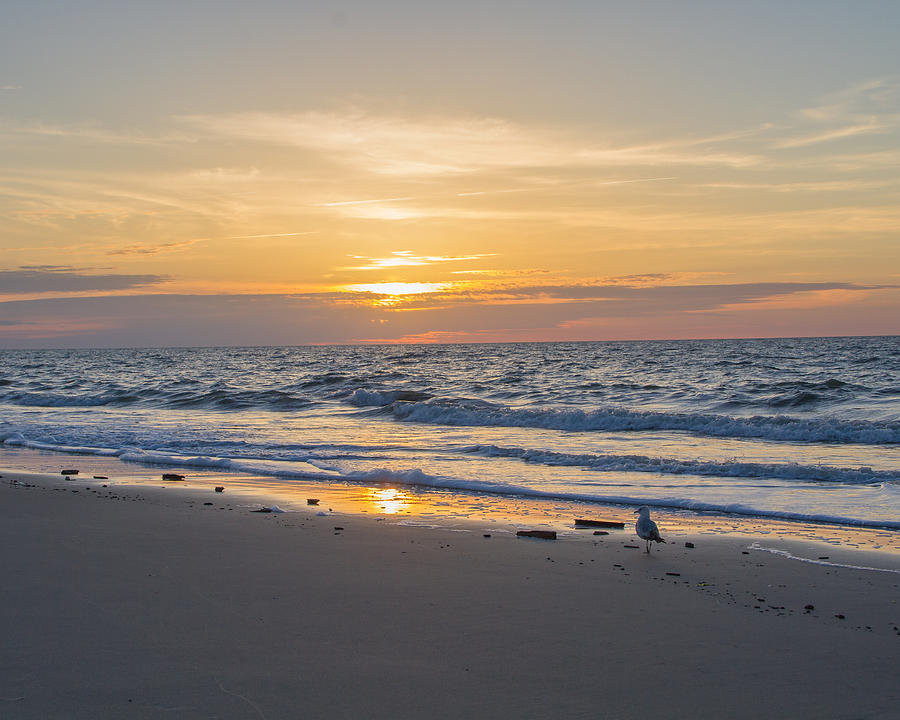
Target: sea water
805,428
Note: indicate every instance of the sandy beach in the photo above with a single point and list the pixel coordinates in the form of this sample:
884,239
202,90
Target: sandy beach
351,353
142,602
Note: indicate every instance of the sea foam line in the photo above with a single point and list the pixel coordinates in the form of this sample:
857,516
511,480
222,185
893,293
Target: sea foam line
791,556
672,466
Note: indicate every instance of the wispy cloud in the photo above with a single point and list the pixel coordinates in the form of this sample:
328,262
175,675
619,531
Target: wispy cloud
153,249
52,328
823,186
403,146
100,134
840,133
876,95
868,108
53,268
365,202
494,192
501,273
273,235
452,204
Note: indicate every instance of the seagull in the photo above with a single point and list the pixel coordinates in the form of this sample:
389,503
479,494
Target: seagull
646,528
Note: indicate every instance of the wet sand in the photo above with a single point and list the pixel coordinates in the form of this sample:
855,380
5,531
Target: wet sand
137,601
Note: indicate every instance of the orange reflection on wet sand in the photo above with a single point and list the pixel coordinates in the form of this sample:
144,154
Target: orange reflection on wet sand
388,500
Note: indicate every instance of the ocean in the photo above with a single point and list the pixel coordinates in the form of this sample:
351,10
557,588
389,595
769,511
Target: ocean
797,429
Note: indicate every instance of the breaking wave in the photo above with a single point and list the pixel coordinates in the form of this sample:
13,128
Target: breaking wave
778,427
671,466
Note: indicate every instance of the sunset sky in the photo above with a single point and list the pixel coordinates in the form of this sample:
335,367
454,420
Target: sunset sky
245,173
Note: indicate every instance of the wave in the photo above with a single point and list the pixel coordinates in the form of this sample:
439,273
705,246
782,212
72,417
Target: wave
465,412
417,478
215,398
373,398
50,399
16,439
671,466
226,399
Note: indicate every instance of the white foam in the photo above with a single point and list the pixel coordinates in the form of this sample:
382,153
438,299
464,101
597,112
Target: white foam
791,556
671,466
777,427
377,398
17,440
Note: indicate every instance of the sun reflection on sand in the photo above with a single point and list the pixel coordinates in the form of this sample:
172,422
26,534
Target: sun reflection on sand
389,501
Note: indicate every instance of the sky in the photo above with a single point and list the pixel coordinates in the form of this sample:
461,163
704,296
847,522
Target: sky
284,173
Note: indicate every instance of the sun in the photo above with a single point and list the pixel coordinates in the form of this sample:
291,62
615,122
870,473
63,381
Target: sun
390,293
397,288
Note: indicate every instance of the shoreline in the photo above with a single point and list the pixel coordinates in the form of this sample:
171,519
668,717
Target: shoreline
134,600
454,508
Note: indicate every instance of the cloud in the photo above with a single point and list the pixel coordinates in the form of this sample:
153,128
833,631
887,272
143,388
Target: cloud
99,134
51,328
833,134
153,249
631,296
440,145
501,273
864,109
272,235
50,279
823,186
387,208
52,268
365,202
578,311
870,96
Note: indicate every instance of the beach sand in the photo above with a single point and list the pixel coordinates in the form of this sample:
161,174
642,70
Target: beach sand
133,601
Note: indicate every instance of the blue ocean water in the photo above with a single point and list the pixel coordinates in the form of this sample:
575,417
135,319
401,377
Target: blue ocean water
805,429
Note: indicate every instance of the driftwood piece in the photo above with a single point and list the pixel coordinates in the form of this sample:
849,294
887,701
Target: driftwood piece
599,523
542,534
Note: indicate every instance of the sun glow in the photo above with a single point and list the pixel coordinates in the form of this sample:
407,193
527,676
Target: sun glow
391,293
397,288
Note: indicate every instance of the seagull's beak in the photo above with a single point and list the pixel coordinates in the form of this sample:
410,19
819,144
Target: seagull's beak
636,512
